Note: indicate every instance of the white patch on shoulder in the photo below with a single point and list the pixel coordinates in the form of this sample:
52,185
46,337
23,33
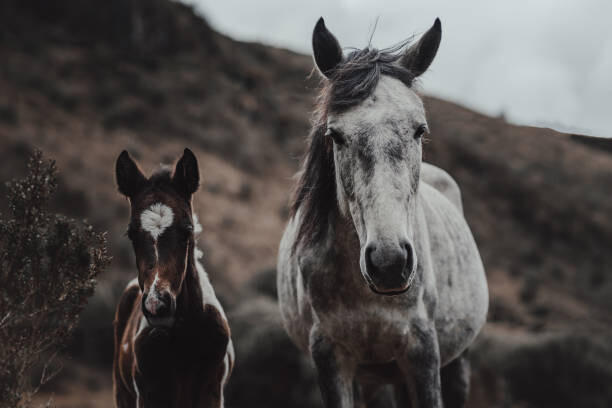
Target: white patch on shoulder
133,282
144,323
137,392
208,293
156,219
209,298
226,369
197,227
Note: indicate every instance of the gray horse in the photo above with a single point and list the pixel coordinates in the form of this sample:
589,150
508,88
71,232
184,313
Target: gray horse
379,277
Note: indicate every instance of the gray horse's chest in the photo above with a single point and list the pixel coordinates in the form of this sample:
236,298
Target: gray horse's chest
373,334
375,328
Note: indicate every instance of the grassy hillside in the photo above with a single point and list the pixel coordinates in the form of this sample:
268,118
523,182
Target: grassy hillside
159,78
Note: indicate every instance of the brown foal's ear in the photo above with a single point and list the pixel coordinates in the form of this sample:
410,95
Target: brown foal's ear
130,179
326,49
419,57
186,178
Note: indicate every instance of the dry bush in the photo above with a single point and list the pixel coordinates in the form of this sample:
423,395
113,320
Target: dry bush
48,266
565,371
560,370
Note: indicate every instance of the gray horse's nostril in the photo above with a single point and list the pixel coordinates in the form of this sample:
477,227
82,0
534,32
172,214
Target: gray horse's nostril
389,266
409,258
368,256
386,259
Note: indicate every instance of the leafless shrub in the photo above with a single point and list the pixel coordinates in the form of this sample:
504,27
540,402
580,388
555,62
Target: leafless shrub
48,266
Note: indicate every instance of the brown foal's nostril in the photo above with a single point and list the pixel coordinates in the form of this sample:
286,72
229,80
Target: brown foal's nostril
157,305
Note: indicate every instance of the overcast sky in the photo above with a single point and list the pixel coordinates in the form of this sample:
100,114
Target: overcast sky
540,62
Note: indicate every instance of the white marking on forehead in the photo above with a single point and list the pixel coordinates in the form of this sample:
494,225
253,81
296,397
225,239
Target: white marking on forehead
156,219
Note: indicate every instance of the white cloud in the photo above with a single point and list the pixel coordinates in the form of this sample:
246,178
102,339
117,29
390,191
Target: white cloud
542,62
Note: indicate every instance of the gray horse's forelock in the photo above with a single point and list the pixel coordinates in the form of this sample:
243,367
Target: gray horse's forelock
356,77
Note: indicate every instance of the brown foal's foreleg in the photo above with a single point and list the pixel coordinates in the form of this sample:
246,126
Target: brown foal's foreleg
153,371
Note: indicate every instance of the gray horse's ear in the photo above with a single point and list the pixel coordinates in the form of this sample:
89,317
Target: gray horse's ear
326,49
419,56
130,179
186,177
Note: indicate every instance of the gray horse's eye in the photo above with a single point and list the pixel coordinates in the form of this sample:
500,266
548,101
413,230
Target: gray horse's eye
336,136
420,131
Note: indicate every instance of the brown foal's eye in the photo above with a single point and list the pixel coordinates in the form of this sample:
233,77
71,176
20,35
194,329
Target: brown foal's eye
335,135
130,233
420,131
186,231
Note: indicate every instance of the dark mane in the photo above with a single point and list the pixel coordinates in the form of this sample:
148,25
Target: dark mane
356,77
160,180
162,176
351,82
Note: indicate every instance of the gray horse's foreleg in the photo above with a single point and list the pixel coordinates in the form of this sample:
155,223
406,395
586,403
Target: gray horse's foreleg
401,396
455,378
335,371
374,395
421,365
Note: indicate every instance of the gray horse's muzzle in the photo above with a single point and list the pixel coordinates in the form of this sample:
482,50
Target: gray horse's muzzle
389,268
